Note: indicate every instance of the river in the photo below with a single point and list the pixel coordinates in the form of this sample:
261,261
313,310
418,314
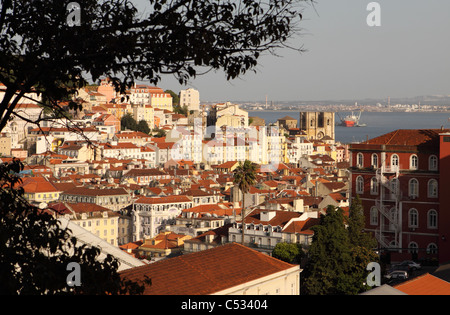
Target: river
377,123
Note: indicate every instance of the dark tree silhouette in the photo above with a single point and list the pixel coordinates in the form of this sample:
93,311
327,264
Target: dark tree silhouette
244,178
35,251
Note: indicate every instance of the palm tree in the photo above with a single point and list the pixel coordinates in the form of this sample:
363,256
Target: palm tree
244,178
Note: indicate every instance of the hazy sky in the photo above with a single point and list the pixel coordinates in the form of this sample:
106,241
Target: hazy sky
408,55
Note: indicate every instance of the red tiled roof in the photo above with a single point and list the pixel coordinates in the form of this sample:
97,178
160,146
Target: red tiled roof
37,185
280,219
425,285
207,271
409,137
160,200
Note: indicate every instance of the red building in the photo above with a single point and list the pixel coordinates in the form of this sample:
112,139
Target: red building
402,179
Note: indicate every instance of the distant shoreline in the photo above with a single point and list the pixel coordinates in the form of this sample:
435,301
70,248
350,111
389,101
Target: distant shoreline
345,110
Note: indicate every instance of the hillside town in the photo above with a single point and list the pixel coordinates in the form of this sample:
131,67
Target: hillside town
169,196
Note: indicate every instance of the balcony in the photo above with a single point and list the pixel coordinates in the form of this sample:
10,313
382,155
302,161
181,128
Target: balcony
393,169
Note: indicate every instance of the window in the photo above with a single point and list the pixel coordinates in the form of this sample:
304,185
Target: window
374,161
432,219
413,218
359,160
395,186
413,248
433,163
374,186
413,162
394,160
359,185
432,188
373,216
432,248
413,188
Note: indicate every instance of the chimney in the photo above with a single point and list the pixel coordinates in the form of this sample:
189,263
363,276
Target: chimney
267,215
298,205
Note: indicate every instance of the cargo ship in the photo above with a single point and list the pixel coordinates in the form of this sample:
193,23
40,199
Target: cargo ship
351,120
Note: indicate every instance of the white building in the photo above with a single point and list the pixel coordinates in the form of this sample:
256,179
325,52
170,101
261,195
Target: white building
151,215
190,98
298,148
265,228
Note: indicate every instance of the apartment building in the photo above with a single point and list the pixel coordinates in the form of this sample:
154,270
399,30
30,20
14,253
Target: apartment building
190,98
98,220
111,198
152,214
401,178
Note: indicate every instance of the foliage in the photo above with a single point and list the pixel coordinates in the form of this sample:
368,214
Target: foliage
244,178
356,225
159,133
336,265
142,126
288,252
35,250
175,97
183,110
128,122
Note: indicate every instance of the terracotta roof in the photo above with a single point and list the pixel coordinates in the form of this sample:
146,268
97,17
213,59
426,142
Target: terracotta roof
218,209
410,137
425,285
83,191
302,227
145,172
280,219
37,185
207,271
160,200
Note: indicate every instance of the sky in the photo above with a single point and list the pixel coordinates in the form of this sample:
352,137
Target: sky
345,59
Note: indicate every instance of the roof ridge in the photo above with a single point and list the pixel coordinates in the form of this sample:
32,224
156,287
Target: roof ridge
395,133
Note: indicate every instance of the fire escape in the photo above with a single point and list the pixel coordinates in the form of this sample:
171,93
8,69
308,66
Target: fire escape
387,203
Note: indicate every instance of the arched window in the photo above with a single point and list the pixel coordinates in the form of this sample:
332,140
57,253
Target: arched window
432,248
413,162
432,188
413,188
413,218
359,185
432,218
374,160
374,186
359,160
413,248
373,216
393,218
394,160
395,186
433,163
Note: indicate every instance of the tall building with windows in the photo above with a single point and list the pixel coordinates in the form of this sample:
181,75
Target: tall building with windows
190,98
402,179
317,125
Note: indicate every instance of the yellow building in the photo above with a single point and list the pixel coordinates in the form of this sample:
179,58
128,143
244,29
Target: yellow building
144,112
98,220
161,101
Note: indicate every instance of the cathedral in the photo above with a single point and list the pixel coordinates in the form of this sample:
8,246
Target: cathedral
317,125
